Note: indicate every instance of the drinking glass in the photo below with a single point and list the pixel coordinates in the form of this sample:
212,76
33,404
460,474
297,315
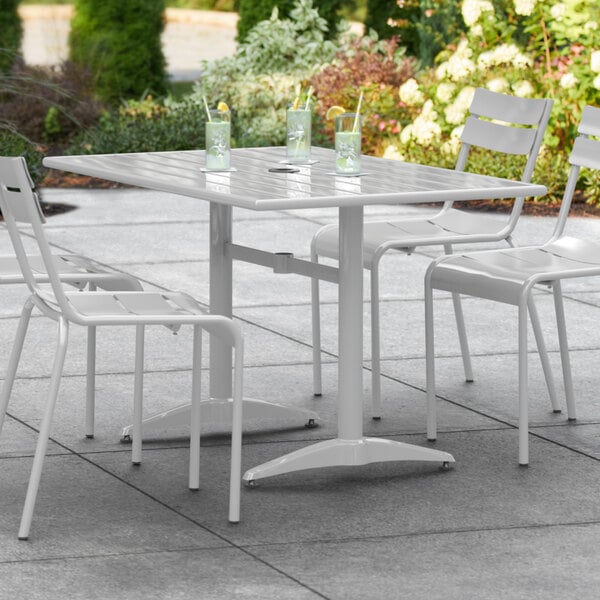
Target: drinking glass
218,140
348,131
298,122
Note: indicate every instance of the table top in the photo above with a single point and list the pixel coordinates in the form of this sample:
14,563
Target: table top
250,185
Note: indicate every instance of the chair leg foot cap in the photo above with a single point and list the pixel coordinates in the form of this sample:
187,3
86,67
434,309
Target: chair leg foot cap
23,539
89,436
523,464
136,464
572,419
557,411
317,395
432,439
376,418
469,380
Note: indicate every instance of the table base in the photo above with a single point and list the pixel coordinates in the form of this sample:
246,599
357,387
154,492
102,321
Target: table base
217,411
339,452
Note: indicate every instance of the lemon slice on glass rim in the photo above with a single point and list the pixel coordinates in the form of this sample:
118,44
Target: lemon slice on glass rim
222,107
334,111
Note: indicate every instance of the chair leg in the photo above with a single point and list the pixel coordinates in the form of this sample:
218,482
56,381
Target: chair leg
90,386
42,444
138,396
316,331
194,475
430,364
523,387
564,350
541,344
14,359
235,480
375,344
462,332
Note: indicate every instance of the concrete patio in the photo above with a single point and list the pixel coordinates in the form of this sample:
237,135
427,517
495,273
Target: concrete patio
104,529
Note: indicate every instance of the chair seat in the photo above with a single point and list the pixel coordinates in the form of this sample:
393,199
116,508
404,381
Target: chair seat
451,226
68,267
134,306
500,274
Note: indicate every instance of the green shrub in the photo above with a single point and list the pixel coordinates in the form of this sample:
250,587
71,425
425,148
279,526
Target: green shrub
12,33
120,42
47,105
145,126
260,79
253,12
375,67
13,144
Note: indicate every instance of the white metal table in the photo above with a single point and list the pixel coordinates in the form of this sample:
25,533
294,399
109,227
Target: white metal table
252,186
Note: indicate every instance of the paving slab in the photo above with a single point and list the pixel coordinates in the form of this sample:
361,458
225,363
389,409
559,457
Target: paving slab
212,574
547,563
19,439
486,489
83,511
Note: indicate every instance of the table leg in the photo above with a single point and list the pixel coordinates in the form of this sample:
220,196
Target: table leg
217,409
350,447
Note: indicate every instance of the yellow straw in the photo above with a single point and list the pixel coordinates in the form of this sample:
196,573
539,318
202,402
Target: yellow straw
308,97
206,106
360,99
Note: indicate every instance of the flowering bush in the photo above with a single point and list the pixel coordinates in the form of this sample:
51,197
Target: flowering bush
532,48
376,67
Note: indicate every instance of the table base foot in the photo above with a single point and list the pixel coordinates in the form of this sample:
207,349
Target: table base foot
217,411
338,452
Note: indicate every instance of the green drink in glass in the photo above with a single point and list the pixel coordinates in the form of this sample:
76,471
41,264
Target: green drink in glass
348,132
298,124
218,140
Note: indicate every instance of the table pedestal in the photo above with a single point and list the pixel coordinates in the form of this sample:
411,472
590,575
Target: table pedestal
217,411
338,452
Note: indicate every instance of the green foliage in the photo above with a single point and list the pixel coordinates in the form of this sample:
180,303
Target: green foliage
13,144
47,105
145,126
424,27
259,80
120,42
252,12
375,67
12,33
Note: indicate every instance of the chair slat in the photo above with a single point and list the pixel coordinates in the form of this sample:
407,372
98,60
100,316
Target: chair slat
586,153
496,137
590,121
512,109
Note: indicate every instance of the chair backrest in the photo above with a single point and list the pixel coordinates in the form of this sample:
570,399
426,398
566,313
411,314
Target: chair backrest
20,204
585,153
508,125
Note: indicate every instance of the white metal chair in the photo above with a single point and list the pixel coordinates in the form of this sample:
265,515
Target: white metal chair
509,276
79,272
490,125
20,205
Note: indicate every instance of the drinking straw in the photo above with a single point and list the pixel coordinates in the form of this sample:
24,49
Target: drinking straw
360,99
308,97
206,106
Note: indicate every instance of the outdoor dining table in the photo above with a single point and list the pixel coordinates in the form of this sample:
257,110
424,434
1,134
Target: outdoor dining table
257,182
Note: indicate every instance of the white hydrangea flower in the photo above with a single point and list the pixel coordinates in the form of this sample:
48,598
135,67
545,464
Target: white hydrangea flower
473,9
498,84
444,92
465,97
442,70
457,132
410,93
460,68
596,82
426,132
595,61
455,114
477,30
590,26
524,7
485,60
406,134
523,89
558,11
393,152
522,61
451,147
568,81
